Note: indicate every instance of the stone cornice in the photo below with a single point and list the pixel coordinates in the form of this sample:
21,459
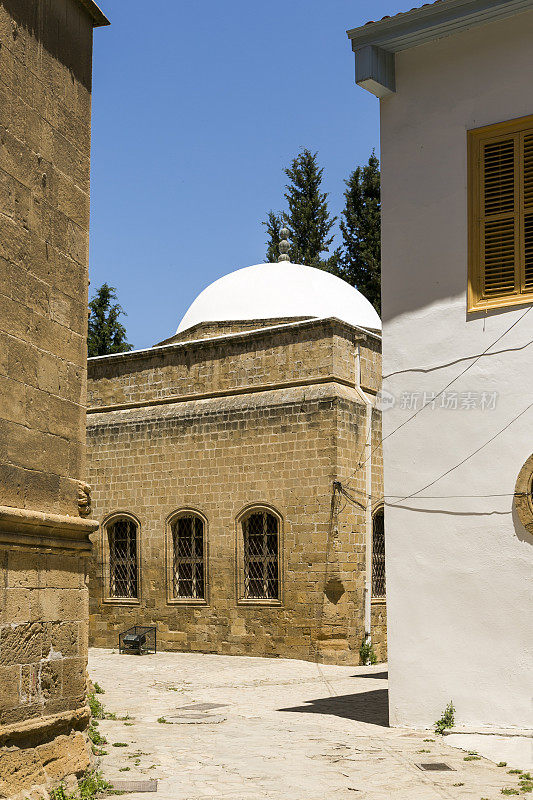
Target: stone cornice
21,527
224,339
239,390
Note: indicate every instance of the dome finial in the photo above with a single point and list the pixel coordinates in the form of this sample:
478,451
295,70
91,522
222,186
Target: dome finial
284,244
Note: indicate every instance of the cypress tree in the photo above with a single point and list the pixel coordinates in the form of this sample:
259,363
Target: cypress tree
360,263
106,334
307,219
273,225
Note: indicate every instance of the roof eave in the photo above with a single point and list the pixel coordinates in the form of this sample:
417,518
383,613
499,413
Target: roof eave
98,17
432,22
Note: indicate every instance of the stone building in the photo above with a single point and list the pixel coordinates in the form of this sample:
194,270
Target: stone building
223,461
45,97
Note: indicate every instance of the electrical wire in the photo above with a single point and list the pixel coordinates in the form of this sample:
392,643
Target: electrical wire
430,402
467,458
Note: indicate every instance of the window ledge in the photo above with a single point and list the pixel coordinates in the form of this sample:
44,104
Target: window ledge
122,601
258,601
500,302
186,601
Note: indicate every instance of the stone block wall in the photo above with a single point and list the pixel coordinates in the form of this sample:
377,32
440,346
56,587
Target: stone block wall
226,364
43,657
45,99
354,458
45,95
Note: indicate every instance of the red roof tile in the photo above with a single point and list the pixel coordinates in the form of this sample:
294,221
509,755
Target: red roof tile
401,13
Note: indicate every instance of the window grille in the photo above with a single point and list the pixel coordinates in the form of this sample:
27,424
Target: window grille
189,562
122,536
378,554
261,569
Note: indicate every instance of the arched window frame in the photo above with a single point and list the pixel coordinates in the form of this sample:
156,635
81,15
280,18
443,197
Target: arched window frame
239,560
523,499
378,598
106,558
169,558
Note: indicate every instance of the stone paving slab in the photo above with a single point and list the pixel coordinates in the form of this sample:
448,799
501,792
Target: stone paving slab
284,730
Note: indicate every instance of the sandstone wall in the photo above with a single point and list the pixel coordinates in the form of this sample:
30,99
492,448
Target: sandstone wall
231,363
45,97
279,447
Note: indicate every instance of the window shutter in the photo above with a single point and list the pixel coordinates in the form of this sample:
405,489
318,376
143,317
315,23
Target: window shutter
500,271
528,211
499,222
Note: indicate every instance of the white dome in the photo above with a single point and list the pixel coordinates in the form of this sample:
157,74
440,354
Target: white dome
273,291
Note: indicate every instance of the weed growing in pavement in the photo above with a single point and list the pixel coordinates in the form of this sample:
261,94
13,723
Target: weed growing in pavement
120,744
514,772
95,736
429,740
367,655
91,785
423,751
501,764
472,758
460,784
124,769
129,724
163,721
510,791
447,720
97,688
97,709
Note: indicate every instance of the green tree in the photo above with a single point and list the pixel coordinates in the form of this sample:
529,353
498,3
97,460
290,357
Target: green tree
307,218
360,263
106,334
273,225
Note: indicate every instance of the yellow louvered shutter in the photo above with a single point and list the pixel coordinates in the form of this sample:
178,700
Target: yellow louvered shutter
501,215
527,145
498,228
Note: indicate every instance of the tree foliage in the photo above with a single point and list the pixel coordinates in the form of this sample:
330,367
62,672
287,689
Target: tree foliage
273,225
360,225
106,334
307,218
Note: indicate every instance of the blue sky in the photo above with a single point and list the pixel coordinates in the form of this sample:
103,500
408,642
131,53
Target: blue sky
197,108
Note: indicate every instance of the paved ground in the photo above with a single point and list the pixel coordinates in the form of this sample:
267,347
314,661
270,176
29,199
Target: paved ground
269,729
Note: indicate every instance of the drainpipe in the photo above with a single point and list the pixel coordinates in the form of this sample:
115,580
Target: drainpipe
367,460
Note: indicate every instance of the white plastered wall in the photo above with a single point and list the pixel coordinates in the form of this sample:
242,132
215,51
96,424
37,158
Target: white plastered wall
459,569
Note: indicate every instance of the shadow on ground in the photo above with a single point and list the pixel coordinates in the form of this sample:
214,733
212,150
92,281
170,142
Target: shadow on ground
381,675
370,707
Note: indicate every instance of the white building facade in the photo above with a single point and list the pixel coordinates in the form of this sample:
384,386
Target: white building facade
457,364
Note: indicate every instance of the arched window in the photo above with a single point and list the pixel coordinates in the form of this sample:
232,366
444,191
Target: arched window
260,531
378,554
188,556
122,533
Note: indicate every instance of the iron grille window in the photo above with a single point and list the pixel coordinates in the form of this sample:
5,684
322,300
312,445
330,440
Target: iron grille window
378,554
188,565
261,569
122,536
